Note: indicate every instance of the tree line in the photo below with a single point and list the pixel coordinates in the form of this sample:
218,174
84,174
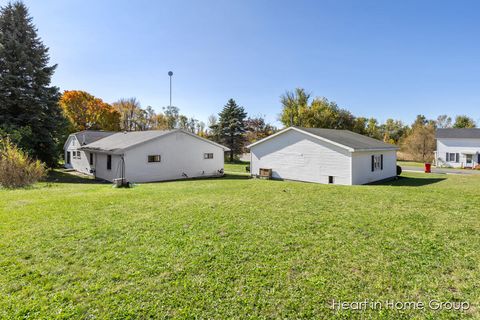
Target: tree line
417,141
37,118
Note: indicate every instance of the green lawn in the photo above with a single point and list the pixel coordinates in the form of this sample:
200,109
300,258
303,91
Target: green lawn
237,167
238,248
411,164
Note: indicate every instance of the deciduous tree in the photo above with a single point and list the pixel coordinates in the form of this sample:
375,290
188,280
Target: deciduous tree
257,129
420,143
463,121
86,112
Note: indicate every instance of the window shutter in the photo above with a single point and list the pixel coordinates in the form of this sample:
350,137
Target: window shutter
446,158
457,157
381,162
373,163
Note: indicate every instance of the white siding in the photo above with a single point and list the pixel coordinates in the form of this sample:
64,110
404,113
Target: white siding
460,146
82,164
180,153
101,171
296,156
362,166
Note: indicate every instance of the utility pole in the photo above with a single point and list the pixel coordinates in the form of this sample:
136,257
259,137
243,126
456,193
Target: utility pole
170,74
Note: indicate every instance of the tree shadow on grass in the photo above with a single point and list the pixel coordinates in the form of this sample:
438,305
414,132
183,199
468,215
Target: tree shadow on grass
63,176
408,182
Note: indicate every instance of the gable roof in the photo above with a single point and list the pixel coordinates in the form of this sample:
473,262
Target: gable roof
88,136
458,133
121,141
342,138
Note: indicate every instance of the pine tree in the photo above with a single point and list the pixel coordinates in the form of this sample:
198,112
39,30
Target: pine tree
29,110
231,127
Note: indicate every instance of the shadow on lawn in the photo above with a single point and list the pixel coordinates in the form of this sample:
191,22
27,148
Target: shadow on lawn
62,176
409,182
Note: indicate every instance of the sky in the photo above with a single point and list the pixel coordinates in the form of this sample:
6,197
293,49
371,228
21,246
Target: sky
382,59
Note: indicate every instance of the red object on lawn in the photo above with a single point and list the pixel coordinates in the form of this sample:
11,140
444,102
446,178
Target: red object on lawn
428,168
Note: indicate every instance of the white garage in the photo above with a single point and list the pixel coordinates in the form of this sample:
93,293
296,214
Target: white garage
324,156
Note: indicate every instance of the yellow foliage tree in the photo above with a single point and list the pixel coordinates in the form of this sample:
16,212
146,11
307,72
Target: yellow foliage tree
86,112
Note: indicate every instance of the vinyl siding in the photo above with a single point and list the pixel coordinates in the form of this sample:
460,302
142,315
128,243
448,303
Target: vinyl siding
362,166
80,165
297,156
180,153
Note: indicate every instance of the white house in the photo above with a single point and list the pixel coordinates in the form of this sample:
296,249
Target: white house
324,156
78,159
144,156
458,148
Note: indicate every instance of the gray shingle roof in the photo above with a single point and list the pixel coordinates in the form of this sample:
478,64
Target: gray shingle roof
89,136
347,139
124,140
473,133
350,139
118,142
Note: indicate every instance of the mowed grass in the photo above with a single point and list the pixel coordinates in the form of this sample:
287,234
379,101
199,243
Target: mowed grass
238,248
411,164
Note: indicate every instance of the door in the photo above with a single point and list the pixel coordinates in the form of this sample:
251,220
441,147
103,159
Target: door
68,157
469,160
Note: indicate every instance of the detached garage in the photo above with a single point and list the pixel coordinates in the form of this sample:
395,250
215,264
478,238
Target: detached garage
323,156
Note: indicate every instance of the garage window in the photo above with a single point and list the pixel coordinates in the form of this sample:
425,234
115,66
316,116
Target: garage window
377,162
208,156
154,158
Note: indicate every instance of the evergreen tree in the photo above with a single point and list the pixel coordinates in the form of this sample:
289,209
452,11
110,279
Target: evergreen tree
29,110
231,127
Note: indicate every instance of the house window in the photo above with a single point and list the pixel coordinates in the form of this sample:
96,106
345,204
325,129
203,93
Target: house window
109,162
208,156
330,180
154,158
78,155
377,162
91,159
68,157
453,157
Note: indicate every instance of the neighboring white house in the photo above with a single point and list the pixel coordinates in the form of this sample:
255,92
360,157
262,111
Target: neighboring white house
324,156
458,148
146,156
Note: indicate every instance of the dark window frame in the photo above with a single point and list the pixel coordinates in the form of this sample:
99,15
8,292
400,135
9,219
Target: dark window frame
153,158
208,155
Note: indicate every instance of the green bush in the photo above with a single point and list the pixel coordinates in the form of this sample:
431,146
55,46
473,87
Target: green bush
17,169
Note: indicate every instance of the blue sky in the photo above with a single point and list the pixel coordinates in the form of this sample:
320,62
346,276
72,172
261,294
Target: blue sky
376,58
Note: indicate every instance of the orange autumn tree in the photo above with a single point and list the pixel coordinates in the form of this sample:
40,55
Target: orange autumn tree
86,112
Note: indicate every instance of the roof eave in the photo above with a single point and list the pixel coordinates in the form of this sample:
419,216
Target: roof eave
99,150
377,149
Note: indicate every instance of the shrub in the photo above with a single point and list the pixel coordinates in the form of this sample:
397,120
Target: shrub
17,169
